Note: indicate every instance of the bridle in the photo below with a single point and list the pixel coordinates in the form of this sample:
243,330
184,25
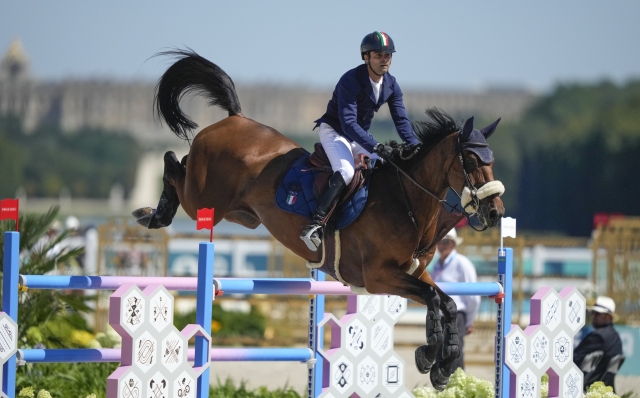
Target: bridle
473,199
470,197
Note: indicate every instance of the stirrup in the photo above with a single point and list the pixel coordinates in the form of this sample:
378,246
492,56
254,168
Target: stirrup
311,237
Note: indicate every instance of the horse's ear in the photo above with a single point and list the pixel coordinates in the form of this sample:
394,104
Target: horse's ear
487,131
467,129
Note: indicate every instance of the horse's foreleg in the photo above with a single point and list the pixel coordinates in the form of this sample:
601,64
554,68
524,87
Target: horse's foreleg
426,355
450,350
162,216
395,281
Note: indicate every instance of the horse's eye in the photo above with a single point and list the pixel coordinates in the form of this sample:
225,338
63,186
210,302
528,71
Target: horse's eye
470,164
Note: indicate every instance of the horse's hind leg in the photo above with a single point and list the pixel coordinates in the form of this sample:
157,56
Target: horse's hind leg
450,349
162,216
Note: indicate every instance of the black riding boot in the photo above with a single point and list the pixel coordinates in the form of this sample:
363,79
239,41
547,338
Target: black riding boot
312,233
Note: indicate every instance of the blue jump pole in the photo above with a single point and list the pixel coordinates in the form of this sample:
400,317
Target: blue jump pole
503,325
203,312
280,286
11,269
316,338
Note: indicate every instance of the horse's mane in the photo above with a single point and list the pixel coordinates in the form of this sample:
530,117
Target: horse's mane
431,132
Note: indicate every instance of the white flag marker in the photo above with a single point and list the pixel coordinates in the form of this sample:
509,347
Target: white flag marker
507,229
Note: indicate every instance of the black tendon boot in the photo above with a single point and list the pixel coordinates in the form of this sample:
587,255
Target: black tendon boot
312,233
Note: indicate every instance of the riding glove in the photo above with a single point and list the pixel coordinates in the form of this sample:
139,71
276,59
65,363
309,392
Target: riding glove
385,151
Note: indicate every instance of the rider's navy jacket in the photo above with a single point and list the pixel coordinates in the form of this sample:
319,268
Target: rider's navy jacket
352,107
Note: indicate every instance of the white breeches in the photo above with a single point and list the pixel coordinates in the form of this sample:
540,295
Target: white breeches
341,152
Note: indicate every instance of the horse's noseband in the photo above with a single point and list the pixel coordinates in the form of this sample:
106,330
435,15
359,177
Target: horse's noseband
470,200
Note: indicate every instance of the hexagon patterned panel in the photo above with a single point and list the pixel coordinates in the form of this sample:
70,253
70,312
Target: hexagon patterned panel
8,342
154,353
546,345
360,360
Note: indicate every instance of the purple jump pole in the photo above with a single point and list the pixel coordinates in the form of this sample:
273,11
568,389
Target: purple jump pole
76,355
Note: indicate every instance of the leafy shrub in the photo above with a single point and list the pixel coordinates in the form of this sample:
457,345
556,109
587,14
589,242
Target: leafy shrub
66,380
460,385
228,389
228,323
599,390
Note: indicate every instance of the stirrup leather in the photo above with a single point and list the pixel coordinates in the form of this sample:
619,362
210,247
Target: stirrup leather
311,236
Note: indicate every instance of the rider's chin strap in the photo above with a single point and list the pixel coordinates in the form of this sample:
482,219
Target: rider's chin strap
488,189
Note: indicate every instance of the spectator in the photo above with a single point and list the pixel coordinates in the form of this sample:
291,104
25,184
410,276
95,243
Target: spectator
599,354
454,267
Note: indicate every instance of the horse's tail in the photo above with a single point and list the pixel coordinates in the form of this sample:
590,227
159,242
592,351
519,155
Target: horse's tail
192,74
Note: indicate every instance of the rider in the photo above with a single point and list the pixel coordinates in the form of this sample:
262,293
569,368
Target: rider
343,128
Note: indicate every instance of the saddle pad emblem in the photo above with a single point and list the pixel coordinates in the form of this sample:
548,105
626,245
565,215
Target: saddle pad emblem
292,196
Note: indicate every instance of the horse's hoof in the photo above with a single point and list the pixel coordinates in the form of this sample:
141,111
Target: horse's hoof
143,216
144,211
424,362
438,379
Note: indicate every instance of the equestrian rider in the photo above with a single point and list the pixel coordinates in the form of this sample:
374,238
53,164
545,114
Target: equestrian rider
343,128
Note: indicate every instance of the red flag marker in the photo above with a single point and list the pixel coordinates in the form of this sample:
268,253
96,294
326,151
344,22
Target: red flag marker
9,210
204,220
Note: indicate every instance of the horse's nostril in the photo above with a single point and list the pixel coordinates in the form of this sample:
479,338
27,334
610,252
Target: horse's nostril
493,214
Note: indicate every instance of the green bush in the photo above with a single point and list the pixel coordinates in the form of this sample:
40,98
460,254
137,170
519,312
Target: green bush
462,385
228,323
89,380
228,389
39,255
66,380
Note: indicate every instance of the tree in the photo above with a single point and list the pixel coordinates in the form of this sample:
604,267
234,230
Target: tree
578,150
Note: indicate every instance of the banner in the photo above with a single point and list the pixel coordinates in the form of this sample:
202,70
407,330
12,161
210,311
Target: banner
204,220
9,210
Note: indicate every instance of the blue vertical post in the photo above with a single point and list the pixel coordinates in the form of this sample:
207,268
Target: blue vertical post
11,269
316,338
203,312
503,326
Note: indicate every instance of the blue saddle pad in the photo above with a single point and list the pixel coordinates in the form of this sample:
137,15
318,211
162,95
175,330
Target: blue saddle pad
295,195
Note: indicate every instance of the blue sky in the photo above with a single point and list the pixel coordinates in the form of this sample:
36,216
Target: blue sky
462,45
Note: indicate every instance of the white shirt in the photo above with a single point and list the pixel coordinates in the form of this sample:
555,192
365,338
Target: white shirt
458,268
376,87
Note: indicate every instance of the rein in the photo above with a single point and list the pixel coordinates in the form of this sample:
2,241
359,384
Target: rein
474,200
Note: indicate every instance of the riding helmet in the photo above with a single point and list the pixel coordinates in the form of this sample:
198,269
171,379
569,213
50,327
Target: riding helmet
377,41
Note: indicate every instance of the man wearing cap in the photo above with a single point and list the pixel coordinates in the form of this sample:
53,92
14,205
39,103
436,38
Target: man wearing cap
344,128
452,266
599,354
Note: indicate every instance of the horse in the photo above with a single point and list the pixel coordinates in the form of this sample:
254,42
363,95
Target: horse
237,164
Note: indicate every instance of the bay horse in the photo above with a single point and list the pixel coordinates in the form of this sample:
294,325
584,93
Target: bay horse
237,164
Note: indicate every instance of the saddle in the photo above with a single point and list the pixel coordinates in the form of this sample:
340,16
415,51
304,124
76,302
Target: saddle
318,161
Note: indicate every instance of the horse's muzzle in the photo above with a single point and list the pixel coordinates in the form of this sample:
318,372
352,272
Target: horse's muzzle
490,211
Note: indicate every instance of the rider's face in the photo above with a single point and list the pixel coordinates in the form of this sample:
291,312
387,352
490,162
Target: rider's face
379,62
